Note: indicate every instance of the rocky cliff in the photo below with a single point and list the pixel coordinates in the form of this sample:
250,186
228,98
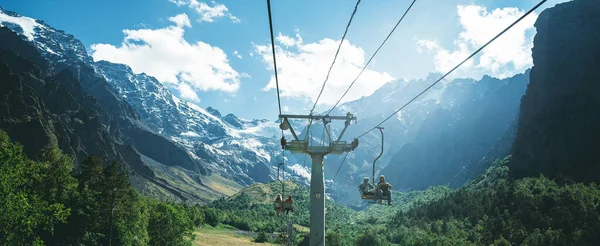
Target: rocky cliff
559,121
39,108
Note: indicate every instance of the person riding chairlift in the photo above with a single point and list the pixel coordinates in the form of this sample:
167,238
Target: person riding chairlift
289,207
278,204
383,189
366,188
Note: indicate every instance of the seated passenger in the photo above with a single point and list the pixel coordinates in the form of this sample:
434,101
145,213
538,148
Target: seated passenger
383,189
366,188
290,207
278,204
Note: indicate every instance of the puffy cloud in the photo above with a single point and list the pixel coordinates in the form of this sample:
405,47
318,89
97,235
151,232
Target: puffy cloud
165,54
508,55
207,13
303,67
181,20
186,92
286,109
289,41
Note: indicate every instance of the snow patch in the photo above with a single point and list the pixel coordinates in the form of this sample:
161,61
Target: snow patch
268,130
300,171
253,145
27,24
190,134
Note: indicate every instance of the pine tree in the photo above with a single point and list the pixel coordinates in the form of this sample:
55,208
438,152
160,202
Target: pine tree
85,226
122,210
29,208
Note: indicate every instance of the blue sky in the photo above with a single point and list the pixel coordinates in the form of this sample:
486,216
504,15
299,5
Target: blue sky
217,54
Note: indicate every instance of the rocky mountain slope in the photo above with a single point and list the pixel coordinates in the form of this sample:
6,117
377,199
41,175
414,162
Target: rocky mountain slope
167,167
41,108
440,139
471,119
559,121
236,148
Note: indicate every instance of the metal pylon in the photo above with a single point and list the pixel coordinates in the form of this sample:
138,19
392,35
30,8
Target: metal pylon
317,153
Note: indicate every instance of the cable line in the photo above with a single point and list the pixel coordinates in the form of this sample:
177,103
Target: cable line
456,67
274,58
341,164
336,55
373,56
278,98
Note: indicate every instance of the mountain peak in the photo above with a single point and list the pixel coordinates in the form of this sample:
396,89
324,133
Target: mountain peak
114,66
213,111
22,25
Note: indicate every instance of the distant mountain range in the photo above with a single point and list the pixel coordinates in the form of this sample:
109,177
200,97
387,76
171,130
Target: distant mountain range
184,152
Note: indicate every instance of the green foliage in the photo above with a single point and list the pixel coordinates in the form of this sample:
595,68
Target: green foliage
261,237
369,237
41,202
213,216
169,225
123,212
333,238
196,214
246,213
30,208
496,210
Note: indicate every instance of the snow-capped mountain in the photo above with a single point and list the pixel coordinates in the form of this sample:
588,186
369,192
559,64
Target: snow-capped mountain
236,148
193,150
176,139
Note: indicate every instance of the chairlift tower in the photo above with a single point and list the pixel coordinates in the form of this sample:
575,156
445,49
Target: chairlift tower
317,153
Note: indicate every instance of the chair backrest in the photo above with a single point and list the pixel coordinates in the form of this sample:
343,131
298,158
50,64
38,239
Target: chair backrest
278,204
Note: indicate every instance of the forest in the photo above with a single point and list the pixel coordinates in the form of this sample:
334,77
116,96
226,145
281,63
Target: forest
48,202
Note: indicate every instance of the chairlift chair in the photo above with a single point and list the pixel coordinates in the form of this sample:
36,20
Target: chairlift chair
279,204
373,196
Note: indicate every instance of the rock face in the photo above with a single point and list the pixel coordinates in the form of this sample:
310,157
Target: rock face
39,108
559,121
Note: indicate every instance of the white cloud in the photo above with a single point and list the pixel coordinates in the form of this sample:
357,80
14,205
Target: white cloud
207,13
286,109
303,67
427,44
179,2
289,41
237,54
186,92
508,55
165,54
181,20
